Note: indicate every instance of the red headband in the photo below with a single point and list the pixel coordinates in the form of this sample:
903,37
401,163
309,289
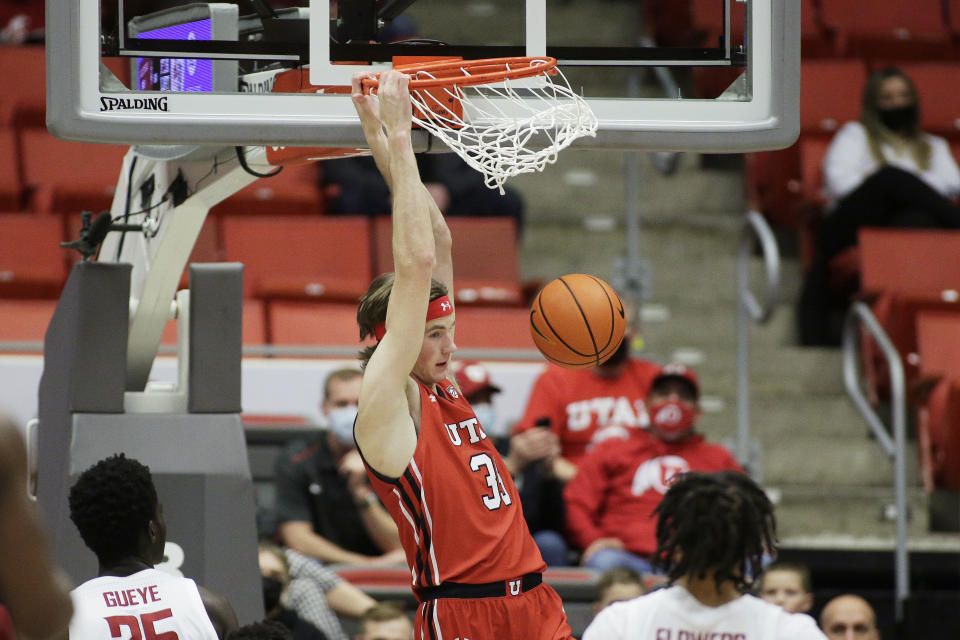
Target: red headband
436,309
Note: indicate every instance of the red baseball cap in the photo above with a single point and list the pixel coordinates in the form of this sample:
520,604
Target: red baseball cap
675,370
473,377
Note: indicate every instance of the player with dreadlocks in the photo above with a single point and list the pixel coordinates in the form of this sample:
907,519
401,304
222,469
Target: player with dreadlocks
115,508
712,532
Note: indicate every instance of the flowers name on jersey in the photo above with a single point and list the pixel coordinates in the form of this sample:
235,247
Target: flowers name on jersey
606,411
657,474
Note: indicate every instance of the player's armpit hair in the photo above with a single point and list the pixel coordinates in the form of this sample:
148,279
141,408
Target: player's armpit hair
372,309
714,524
111,504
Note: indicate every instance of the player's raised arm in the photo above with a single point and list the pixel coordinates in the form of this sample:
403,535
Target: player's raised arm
385,431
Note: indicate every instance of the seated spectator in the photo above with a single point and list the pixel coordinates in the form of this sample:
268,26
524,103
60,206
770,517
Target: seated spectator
357,188
540,492
585,406
883,171
611,500
115,508
325,506
849,617
712,532
35,602
306,596
616,585
265,630
385,621
787,584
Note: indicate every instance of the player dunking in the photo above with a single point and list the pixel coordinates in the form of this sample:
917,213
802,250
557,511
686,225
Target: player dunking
474,566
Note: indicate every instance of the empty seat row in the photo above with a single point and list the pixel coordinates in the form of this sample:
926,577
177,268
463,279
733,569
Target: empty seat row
295,323
923,29
285,256
41,173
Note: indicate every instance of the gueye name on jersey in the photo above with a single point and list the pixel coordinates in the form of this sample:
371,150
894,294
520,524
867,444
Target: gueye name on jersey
680,634
473,428
131,597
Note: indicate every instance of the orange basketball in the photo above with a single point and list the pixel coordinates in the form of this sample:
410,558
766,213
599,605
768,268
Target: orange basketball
577,321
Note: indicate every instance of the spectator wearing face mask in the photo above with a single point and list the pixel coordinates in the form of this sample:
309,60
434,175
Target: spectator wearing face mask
583,407
325,506
611,501
881,171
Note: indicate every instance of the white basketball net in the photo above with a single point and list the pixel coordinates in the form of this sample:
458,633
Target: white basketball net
507,128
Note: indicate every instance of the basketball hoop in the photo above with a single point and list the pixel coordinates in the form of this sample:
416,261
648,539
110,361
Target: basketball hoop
503,116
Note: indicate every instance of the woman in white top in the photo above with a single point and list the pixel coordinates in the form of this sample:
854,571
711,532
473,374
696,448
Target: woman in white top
882,171
712,532
886,171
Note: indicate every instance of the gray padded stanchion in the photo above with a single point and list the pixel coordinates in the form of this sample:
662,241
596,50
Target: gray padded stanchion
216,342
198,460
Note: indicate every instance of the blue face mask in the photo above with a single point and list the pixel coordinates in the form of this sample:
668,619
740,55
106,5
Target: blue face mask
341,424
487,418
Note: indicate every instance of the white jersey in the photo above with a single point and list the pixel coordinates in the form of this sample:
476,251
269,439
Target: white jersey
674,614
148,604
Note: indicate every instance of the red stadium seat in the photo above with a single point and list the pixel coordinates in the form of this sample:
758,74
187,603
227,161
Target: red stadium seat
306,323
32,264
812,150
67,176
907,271
814,40
938,423
10,183
486,264
25,320
300,256
888,28
293,191
493,328
910,261
23,70
830,94
939,100
953,16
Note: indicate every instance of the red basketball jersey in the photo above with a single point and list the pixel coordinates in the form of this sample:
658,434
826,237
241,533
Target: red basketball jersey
456,506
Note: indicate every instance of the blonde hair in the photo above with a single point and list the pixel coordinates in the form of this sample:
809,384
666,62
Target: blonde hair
877,134
372,309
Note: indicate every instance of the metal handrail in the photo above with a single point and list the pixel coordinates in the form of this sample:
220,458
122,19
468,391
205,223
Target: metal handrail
894,448
748,309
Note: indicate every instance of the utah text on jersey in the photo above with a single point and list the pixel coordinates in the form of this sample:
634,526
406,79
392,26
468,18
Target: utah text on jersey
606,411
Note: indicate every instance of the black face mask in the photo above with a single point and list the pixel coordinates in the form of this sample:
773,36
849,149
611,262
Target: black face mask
619,356
899,118
272,588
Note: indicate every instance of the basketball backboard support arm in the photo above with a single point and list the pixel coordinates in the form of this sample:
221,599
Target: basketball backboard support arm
765,115
160,253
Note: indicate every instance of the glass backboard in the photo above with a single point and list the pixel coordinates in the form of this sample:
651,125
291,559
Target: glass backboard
130,71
